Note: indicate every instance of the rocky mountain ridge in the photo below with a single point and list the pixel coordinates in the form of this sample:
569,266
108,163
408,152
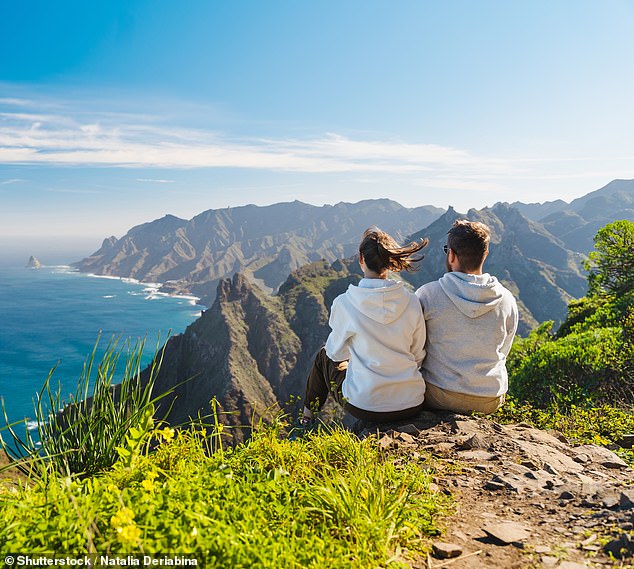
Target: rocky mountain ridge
263,243
540,271
576,223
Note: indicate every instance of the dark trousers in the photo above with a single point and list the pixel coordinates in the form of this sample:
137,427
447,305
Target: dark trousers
326,377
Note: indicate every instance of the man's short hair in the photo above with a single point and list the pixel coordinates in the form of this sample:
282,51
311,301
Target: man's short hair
470,241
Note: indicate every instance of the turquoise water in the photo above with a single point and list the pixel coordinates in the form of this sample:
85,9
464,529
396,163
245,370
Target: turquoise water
53,316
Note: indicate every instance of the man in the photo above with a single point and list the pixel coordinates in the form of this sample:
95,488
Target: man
471,320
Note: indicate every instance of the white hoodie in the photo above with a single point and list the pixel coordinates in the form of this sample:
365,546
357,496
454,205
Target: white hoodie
379,327
471,321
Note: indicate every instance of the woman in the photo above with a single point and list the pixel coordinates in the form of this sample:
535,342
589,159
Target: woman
373,354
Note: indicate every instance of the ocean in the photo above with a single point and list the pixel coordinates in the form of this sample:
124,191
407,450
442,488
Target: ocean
52,316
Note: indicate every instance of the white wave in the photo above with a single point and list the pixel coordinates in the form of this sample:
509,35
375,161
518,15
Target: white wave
32,425
109,296
104,277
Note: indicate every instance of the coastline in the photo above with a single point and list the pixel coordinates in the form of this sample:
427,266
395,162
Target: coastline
153,289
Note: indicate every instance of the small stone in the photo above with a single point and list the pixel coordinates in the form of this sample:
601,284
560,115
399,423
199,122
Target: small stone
582,458
410,429
494,486
550,469
610,501
621,547
548,561
590,540
626,499
566,495
530,464
405,437
541,549
507,532
572,565
524,425
386,442
478,455
475,442
446,550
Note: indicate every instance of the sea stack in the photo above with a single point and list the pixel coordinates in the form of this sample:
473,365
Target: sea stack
34,263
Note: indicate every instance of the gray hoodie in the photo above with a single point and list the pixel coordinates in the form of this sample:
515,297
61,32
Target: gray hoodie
379,327
471,321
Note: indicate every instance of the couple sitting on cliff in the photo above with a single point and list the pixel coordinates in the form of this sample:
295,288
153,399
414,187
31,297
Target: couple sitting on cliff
392,353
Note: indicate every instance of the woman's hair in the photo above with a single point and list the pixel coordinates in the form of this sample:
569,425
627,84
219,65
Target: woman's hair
381,253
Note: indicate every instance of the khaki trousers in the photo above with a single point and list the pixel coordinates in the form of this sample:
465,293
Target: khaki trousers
439,398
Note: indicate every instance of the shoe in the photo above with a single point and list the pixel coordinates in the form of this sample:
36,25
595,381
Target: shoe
302,427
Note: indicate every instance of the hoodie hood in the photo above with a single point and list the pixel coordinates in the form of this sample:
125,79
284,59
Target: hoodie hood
383,305
473,295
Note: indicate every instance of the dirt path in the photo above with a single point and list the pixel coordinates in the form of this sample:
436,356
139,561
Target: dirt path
524,498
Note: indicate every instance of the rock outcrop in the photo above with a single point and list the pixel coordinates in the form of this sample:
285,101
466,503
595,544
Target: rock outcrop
524,497
34,263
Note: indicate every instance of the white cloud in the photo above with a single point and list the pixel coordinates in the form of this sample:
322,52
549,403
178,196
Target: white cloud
139,141
153,181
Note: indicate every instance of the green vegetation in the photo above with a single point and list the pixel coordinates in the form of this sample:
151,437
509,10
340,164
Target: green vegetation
329,500
81,436
580,380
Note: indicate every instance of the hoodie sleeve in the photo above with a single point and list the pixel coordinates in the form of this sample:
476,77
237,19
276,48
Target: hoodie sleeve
337,342
419,337
511,327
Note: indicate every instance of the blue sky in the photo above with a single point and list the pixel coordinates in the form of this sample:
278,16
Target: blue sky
115,113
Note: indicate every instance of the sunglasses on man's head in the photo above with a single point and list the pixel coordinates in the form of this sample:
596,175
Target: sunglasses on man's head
445,248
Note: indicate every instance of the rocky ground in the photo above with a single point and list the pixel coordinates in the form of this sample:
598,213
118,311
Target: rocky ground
524,497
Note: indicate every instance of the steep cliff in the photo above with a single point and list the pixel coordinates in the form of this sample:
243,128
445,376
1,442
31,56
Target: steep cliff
249,350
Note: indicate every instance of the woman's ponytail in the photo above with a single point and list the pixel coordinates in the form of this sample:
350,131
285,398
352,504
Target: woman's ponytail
382,253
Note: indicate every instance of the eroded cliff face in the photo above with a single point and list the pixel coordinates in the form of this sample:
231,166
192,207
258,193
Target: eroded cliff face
250,351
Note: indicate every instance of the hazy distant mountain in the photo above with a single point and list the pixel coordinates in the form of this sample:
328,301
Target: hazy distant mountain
531,262
263,243
577,223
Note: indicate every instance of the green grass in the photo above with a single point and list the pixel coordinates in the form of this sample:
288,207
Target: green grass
81,435
329,500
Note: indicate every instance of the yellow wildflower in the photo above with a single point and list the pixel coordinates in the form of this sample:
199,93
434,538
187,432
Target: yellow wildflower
148,484
129,534
167,434
123,517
